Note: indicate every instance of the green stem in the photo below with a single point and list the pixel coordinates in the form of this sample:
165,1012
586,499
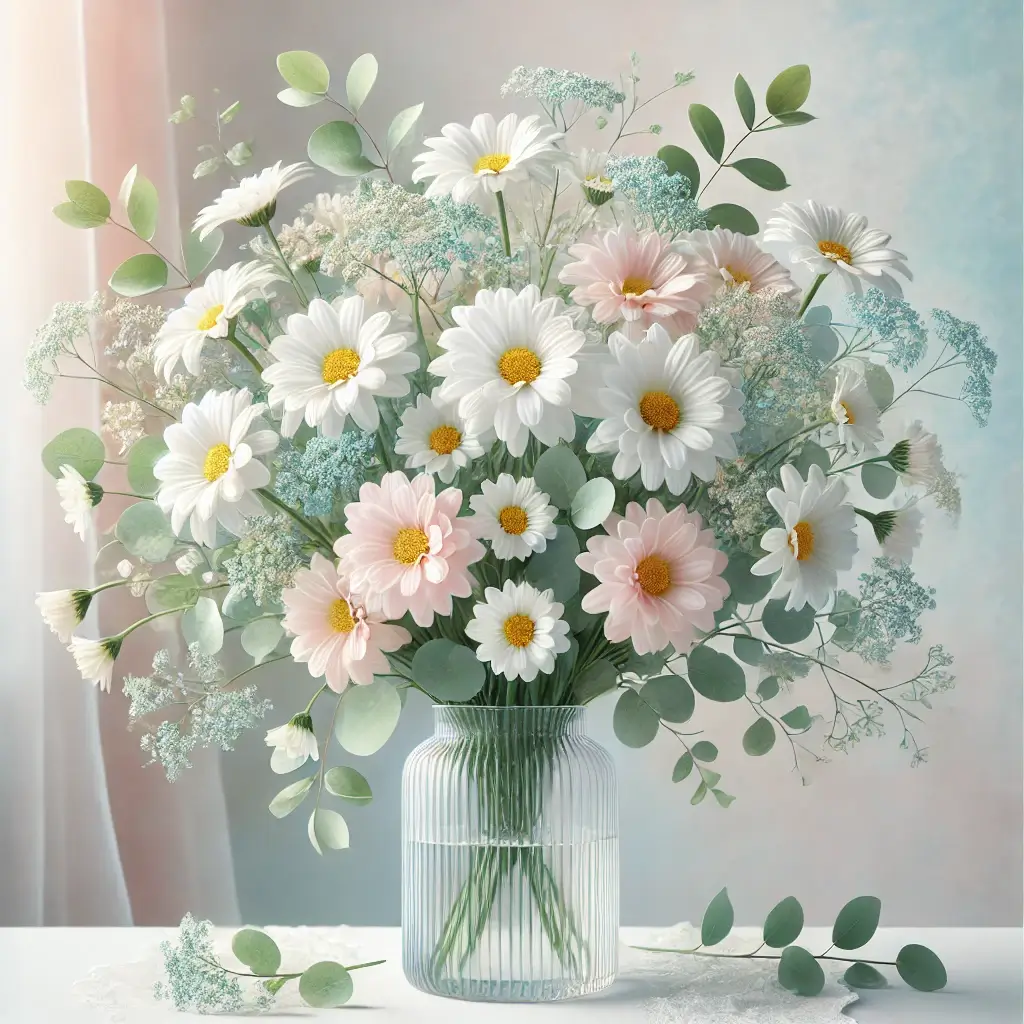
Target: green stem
812,291
128,494
148,619
287,266
857,465
109,586
240,345
287,977
762,956
504,224
312,700
309,528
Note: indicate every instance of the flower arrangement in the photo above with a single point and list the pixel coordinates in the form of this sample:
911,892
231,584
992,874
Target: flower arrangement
538,425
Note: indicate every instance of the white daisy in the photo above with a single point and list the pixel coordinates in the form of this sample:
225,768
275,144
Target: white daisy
898,530
334,362
738,259
918,457
206,313
508,364
95,658
855,412
209,472
817,541
590,168
293,744
63,610
514,515
78,497
253,201
520,630
664,409
486,157
434,437
828,239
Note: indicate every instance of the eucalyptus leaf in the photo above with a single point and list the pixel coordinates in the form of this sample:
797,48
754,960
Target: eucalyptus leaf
173,591
699,794
748,649
682,768
785,921
560,474
141,203
304,71
360,79
920,968
735,218
800,972
787,627
261,637
879,480
257,950
722,799
202,624
338,147
880,384
75,217
789,90
77,447
297,98
744,586
205,168
680,161
818,315
367,717
759,739
327,829
401,124
708,129
745,101
199,252
704,750
555,567
634,721
799,718
671,697
593,503
717,920
91,201
861,975
239,154
857,922
597,678
325,985
142,457
793,118
448,671
715,675
227,115
139,275
811,454
768,688
348,784
762,173
145,532
290,797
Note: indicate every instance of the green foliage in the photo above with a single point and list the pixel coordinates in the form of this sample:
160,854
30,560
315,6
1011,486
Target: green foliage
560,474
715,675
338,147
748,649
367,717
812,454
555,567
800,972
349,784
784,923
141,203
759,738
201,624
257,950
304,71
920,968
744,586
762,173
879,480
298,98
173,591
142,457
717,921
856,923
260,638
745,101
799,718
704,750
682,768
76,447
359,81
860,975
448,671
145,532
680,161
735,218
768,688
200,253
598,677
787,627
593,503
290,797
326,984
87,205
139,275
635,722
880,384
327,829
671,697
789,90
401,124
708,129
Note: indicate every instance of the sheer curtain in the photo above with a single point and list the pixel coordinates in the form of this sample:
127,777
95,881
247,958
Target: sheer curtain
86,836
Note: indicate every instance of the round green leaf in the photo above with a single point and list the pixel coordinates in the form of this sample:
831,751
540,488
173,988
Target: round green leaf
141,459
682,768
879,480
812,454
716,676
560,474
722,799
744,586
139,198
717,921
735,218
822,342
762,173
704,750
785,921
401,125
799,718
174,591
257,950
200,253
856,922
327,829
864,976
261,637
90,202
139,275
634,721
880,384
598,677
298,98
290,797
920,968
708,128
304,71
75,217
757,741
748,649
326,984
360,79
338,147
787,627
789,90
800,972
555,567
768,688
78,448
367,717
745,101
145,532
671,697
240,607
448,671
593,503
818,315
202,624
348,784
679,161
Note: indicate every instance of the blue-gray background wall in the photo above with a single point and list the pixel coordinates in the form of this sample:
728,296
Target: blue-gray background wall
919,108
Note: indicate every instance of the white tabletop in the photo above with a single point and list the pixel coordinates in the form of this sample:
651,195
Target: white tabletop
40,966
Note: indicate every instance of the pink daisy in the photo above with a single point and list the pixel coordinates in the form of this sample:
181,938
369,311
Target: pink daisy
659,577
637,277
335,633
407,549
737,259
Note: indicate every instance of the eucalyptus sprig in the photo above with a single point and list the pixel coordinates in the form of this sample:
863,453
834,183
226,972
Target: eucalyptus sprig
799,969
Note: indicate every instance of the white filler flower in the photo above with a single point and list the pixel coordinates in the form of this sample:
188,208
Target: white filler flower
253,201
434,437
514,515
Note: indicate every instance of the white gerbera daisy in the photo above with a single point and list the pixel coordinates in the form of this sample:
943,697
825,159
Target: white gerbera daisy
664,409
514,515
817,541
898,530
206,313
253,201
488,156
739,260
63,610
293,744
855,412
95,658
78,497
210,471
918,457
434,437
590,168
508,364
520,630
334,362
828,239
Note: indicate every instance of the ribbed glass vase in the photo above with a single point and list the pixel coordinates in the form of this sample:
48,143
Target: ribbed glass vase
510,862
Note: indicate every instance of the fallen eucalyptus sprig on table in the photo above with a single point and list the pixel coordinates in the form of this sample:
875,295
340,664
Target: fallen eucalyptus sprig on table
198,982
799,970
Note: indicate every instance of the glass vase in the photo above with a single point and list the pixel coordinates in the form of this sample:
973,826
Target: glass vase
510,862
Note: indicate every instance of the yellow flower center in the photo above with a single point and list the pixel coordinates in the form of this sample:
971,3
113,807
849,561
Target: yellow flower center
835,251
410,544
216,463
444,440
659,410
492,162
339,616
598,181
340,364
738,276
208,320
850,418
519,630
636,285
513,519
801,540
653,576
519,366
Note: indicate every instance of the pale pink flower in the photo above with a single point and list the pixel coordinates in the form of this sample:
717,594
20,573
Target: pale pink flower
638,277
659,577
736,259
335,633
406,548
